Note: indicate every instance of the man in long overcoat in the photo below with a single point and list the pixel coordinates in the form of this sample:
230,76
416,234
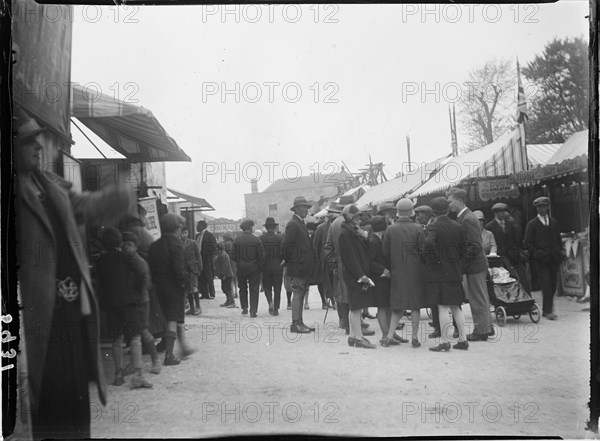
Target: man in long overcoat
475,266
299,261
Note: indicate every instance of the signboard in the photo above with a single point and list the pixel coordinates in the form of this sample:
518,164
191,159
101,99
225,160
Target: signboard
151,217
497,189
223,228
42,53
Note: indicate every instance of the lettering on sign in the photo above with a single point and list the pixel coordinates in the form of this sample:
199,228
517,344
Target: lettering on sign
497,189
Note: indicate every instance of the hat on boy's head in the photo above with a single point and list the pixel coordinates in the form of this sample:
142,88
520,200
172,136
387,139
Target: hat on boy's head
404,207
247,224
439,205
457,193
169,222
541,201
111,238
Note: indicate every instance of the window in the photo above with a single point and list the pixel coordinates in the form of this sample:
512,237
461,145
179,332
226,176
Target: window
273,210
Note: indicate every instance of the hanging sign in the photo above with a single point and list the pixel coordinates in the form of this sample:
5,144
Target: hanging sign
497,189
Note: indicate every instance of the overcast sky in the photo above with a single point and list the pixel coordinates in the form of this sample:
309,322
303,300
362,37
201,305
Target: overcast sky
304,87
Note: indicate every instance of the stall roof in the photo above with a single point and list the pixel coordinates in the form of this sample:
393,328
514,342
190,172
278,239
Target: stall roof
398,187
501,157
131,130
200,203
539,154
576,145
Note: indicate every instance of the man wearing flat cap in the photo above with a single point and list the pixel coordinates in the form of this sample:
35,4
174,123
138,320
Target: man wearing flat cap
544,246
388,210
324,273
475,266
297,252
424,216
248,254
508,237
272,272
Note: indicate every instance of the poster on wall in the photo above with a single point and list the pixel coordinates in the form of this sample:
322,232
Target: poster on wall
151,215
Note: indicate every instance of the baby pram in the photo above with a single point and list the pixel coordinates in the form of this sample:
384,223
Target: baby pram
507,294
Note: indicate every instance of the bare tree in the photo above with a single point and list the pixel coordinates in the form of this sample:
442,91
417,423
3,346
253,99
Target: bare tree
488,105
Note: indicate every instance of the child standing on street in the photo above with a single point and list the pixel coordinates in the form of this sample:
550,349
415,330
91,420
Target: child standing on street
224,272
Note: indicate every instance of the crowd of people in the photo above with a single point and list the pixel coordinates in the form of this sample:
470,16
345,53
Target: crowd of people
401,258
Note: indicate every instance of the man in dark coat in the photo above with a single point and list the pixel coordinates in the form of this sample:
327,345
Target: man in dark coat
208,245
508,240
324,274
544,245
445,248
475,266
248,253
60,321
299,261
272,272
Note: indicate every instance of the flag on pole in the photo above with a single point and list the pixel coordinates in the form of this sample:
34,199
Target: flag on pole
521,103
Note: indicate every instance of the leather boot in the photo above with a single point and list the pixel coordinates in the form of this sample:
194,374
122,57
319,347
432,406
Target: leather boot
138,381
196,295
190,299
151,349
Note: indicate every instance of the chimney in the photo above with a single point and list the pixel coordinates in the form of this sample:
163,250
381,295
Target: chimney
254,186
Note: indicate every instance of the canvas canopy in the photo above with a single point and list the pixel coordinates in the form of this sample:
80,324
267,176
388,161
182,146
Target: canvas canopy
131,130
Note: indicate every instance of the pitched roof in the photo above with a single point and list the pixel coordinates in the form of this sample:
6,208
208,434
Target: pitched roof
576,145
308,182
539,154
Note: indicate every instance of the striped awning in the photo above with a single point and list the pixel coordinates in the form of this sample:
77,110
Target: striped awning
500,158
198,203
131,130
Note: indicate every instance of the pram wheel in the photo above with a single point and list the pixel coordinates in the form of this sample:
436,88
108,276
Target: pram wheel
534,314
501,315
517,316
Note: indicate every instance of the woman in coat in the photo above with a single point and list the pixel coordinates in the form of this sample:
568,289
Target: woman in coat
168,274
355,267
403,245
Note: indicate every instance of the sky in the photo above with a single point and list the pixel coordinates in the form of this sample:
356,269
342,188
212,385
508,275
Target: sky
279,91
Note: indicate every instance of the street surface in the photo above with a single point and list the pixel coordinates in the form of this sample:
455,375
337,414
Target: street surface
251,376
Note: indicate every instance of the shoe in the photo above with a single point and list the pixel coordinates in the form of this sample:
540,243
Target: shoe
368,332
492,333
119,380
189,311
400,327
385,342
205,297
368,315
289,306
464,345
431,324
138,382
271,310
324,306
363,343
197,312
400,339
435,334
308,327
253,314
441,347
306,306
245,311
351,341
550,316
275,312
299,328
416,343
171,360
477,337
187,351
128,370
231,305
211,298
224,305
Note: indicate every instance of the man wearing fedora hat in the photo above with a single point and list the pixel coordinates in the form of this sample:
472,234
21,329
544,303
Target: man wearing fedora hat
56,290
272,272
544,246
248,254
507,234
297,252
